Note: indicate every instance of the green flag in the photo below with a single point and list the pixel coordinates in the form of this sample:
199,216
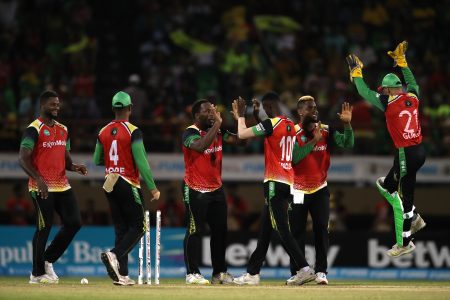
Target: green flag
183,40
280,24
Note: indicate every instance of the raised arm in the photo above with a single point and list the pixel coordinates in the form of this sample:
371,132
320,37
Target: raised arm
355,66
199,143
239,109
399,57
347,139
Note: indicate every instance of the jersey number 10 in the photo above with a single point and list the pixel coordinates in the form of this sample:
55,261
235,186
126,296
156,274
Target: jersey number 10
113,154
287,146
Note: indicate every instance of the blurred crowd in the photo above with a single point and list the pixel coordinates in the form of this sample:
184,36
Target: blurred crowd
167,54
17,209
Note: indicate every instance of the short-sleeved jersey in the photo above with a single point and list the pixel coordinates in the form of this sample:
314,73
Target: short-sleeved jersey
310,173
49,144
116,139
402,119
278,148
203,171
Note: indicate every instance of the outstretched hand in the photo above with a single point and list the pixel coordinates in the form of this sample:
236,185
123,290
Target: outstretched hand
355,66
398,55
217,116
346,113
239,107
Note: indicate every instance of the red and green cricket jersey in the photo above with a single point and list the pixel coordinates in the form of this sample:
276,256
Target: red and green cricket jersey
310,174
402,119
279,143
203,171
49,145
116,139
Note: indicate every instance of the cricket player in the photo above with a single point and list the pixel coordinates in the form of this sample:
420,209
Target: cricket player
45,157
121,150
401,109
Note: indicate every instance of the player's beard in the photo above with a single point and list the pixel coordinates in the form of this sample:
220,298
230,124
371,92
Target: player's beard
49,115
306,123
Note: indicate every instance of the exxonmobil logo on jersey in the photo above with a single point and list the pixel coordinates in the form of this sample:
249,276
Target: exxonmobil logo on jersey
54,143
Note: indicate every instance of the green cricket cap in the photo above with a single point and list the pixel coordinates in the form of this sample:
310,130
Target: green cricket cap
391,80
121,99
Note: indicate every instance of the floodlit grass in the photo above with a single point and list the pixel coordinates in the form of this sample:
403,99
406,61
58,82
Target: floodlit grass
102,288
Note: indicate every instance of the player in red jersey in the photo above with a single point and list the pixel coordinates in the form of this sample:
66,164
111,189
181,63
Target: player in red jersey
45,157
401,110
203,193
279,140
311,163
121,150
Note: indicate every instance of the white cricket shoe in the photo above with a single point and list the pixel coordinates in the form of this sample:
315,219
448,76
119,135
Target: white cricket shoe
247,279
124,280
302,277
222,278
46,279
50,271
321,278
196,279
397,251
109,259
417,223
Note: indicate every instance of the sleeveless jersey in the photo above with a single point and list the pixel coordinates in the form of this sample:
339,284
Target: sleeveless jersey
116,139
278,149
310,173
49,154
402,119
203,171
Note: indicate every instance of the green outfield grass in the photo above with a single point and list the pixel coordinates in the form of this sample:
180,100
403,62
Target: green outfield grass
70,288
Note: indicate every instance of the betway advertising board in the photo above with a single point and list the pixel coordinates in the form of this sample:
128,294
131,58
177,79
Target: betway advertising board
355,255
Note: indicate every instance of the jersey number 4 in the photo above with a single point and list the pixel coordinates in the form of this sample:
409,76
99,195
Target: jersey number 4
287,146
113,154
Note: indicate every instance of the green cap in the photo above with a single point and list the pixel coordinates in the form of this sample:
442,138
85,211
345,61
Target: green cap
121,99
391,80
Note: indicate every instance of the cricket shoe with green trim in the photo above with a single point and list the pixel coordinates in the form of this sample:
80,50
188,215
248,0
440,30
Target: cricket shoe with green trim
45,279
417,223
196,279
397,250
222,278
380,185
247,279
